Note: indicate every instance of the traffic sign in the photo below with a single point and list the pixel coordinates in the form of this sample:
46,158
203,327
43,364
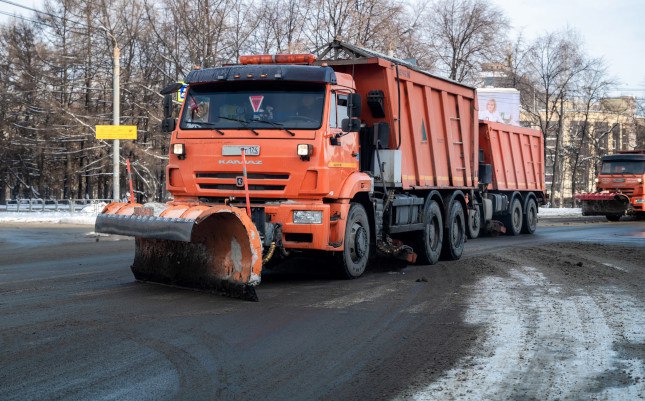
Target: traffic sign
181,93
116,132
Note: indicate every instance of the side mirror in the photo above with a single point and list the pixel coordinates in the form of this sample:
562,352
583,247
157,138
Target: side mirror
168,106
171,88
351,125
168,125
354,105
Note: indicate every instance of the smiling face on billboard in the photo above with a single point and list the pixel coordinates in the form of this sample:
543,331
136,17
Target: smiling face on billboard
501,105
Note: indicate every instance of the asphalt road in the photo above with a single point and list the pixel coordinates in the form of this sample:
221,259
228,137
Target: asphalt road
553,316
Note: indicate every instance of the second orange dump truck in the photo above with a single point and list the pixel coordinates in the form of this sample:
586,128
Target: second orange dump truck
352,156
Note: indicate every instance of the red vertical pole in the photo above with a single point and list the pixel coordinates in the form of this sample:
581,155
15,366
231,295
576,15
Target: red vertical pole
127,164
246,182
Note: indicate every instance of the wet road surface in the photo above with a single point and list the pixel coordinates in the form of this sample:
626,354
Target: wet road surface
556,315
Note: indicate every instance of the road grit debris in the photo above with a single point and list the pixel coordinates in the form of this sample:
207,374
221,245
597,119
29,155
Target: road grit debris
561,323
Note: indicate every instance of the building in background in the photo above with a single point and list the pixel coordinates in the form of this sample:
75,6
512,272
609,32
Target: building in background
589,131
609,126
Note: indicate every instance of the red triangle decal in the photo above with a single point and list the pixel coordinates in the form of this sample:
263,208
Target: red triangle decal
256,102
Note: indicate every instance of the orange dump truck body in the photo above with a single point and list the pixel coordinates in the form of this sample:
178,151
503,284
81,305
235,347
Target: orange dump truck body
433,124
516,154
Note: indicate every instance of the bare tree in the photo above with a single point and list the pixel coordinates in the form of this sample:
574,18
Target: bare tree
463,34
57,72
552,64
591,87
639,123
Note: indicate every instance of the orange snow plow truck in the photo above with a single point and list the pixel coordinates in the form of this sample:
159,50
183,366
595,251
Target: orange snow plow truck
620,187
349,156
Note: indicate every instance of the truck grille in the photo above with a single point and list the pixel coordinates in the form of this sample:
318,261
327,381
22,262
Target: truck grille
252,176
233,187
227,181
627,191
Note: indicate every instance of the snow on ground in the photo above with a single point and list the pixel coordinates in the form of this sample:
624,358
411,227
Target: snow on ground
48,217
88,215
559,212
545,344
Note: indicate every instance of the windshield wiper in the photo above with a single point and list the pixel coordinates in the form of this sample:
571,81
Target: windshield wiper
243,122
277,125
207,124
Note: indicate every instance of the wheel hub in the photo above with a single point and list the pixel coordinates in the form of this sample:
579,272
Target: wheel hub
359,242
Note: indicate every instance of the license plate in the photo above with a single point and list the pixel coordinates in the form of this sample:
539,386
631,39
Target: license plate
236,150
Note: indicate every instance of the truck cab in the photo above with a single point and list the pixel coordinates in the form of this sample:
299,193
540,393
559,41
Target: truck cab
298,126
624,175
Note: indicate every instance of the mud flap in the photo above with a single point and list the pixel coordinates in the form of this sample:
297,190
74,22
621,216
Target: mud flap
212,248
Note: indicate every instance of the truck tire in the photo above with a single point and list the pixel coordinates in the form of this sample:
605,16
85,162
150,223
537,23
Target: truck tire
455,232
473,228
353,259
613,217
513,221
530,217
428,245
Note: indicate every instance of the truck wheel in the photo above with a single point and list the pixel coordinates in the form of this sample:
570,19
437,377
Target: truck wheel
474,222
513,221
428,244
530,218
455,234
353,258
613,217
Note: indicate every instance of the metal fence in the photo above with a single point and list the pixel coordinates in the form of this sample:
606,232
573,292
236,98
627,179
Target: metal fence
54,205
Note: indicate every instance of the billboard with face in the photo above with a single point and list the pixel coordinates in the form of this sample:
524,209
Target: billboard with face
500,105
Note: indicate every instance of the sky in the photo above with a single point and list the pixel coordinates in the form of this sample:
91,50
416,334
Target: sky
611,29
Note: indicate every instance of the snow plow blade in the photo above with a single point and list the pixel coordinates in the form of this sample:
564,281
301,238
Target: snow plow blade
212,248
602,203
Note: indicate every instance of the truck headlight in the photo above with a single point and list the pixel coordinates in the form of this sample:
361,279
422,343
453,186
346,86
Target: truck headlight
180,150
305,150
307,216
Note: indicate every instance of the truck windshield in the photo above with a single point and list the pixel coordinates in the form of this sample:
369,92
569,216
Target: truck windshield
254,105
623,167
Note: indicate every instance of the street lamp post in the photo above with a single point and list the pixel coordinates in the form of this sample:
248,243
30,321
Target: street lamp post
116,113
116,116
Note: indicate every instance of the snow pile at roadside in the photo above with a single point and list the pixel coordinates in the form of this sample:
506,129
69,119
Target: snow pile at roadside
543,343
559,212
48,217
87,216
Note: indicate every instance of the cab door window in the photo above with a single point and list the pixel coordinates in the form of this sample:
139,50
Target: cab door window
338,112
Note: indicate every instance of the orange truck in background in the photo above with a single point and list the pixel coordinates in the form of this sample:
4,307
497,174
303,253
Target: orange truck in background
351,156
620,187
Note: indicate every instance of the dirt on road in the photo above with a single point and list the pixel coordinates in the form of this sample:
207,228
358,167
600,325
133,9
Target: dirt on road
517,318
558,322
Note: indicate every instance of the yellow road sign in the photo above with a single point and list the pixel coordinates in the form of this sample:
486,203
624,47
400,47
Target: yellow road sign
116,132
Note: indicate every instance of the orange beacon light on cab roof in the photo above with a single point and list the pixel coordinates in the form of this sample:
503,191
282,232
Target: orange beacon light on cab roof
278,59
